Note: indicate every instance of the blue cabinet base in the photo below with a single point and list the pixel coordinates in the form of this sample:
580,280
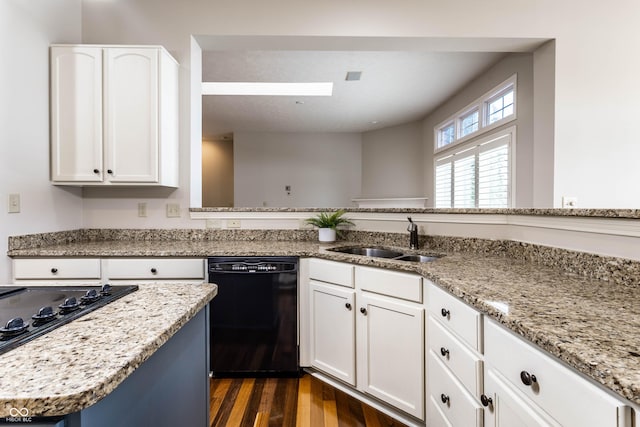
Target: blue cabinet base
170,389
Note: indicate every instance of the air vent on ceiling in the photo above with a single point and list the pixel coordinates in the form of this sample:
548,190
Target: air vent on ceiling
353,75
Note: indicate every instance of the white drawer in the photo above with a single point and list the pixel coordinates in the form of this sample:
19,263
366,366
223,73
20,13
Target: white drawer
445,392
462,319
464,364
338,273
155,268
392,283
558,390
56,268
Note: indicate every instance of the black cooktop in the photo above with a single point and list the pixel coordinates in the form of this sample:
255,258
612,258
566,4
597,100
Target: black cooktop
31,311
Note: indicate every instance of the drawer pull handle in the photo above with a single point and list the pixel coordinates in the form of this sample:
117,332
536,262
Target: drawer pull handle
54,270
348,305
154,270
527,378
363,310
445,312
444,352
444,398
486,401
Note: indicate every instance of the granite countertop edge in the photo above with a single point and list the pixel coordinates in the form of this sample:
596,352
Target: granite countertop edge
81,395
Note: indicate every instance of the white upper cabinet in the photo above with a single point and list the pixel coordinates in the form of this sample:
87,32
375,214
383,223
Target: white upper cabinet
114,113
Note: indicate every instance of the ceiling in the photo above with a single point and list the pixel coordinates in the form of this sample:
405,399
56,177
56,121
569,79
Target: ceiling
397,85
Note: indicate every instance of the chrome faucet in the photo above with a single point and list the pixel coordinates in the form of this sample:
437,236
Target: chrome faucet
413,234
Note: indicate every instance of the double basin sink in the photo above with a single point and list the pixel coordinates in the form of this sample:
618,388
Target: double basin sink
385,253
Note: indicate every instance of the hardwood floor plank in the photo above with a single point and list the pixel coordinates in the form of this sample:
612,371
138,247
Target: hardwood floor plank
239,406
303,417
329,407
221,417
217,392
251,408
317,408
290,407
349,411
262,419
370,416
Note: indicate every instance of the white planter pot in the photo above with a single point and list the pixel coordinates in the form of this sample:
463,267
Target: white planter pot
327,234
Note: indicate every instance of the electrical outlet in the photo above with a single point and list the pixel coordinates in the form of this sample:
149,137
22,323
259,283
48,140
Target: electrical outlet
304,225
569,202
213,223
142,209
173,210
14,203
233,223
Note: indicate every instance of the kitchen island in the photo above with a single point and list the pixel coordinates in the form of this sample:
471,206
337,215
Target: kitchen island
117,360
589,324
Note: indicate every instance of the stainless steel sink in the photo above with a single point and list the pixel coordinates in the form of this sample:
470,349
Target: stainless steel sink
386,253
417,258
372,252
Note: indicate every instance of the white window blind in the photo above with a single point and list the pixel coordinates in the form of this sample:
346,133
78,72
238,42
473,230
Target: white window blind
443,185
479,175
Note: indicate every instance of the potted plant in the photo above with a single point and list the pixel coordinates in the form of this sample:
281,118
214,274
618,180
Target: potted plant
327,224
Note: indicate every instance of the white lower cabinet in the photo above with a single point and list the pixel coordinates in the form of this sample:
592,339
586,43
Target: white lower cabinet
154,269
333,344
57,271
371,340
454,361
509,408
390,350
526,384
449,401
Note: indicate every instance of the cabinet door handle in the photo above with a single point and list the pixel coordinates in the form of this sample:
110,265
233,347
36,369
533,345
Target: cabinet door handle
154,270
444,352
527,378
96,171
54,270
363,310
444,398
348,305
445,312
486,401
110,172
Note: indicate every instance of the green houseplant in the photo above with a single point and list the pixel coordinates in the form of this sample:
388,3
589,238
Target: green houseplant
327,223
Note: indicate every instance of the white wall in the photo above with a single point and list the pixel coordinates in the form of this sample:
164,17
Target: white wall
392,162
596,88
26,30
522,65
323,169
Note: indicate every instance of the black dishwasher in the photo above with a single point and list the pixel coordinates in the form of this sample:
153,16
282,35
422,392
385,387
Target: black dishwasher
254,317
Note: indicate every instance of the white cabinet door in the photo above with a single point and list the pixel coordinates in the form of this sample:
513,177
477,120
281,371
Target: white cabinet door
76,114
391,351
509,408
114,113
131,114
332,324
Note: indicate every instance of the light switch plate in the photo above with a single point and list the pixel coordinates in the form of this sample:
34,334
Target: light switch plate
142,209
569,202
14,203
173,210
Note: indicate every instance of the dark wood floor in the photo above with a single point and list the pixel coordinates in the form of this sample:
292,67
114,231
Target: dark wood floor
283,402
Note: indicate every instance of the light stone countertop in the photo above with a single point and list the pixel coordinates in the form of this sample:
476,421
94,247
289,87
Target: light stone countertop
73,366
590,324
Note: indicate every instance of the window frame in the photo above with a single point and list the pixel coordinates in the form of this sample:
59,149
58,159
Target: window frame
473,148
481,104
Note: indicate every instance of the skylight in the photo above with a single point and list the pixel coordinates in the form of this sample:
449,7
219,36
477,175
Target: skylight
272,89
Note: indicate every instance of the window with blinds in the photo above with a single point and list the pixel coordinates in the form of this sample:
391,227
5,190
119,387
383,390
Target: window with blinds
478,175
